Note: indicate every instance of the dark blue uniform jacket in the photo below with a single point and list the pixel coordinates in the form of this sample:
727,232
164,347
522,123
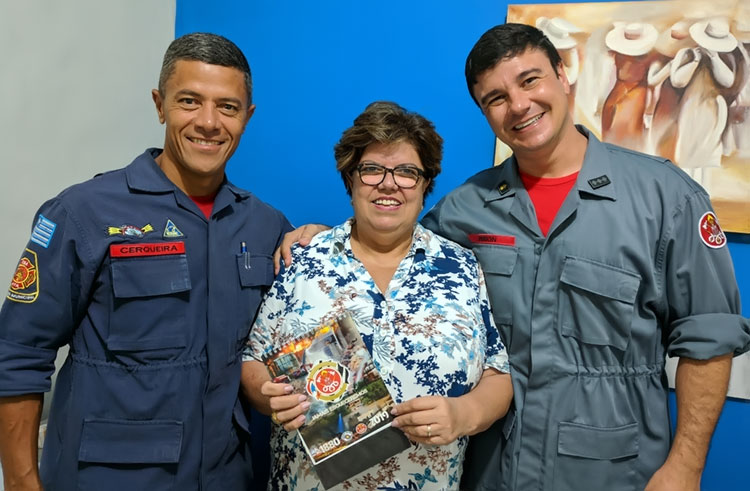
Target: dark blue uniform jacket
155,302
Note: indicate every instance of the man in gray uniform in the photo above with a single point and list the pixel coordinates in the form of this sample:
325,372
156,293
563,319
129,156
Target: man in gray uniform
599,261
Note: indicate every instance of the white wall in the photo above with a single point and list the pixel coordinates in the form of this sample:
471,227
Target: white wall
75,83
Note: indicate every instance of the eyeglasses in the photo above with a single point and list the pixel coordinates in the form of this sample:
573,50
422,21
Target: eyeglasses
406,176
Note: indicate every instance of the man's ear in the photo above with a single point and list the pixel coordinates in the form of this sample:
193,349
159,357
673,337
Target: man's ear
159,103
248,115
560,69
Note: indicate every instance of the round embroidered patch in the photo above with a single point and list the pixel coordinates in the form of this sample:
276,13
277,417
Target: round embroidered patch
710,232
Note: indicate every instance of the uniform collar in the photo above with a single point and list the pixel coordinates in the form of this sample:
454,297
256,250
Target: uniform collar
424,242
594,179
145,175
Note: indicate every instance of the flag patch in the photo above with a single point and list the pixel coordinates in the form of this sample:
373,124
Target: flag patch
43,231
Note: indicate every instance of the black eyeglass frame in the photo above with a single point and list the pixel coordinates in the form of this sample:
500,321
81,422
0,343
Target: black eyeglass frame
386,170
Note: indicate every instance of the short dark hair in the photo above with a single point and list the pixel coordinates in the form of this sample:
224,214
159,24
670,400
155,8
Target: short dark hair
503,42
207,48
387,122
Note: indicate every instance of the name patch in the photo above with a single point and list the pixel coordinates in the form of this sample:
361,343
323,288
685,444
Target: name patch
152,249
507,240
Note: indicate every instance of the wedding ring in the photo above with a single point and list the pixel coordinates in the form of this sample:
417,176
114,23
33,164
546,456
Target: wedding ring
275,418
429,431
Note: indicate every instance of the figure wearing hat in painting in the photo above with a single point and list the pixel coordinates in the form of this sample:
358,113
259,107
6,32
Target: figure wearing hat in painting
737,133
663,99
708,74
622,115
559,31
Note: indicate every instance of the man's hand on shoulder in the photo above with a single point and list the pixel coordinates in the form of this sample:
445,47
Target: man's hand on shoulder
301,235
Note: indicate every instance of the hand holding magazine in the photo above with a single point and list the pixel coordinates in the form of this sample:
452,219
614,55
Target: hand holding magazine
348,426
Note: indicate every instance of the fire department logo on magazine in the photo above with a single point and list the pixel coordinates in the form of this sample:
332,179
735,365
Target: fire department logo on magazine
24,287
327,381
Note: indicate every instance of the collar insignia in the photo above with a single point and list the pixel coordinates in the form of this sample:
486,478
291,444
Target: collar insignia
599,182
503,188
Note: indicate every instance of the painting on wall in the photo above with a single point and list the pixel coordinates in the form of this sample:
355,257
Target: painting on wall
663,77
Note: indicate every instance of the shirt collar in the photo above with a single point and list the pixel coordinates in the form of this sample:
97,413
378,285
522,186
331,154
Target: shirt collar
595,177
424,242
145,175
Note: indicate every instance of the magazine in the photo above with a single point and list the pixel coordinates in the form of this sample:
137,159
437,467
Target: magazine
348,426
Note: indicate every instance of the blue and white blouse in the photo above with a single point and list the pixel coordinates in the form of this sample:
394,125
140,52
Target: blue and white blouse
430,333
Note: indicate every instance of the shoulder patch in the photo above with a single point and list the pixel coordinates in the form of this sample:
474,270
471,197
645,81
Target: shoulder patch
43,231
24,287
710,232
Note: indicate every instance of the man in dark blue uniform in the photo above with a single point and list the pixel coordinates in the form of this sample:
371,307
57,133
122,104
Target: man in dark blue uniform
153,275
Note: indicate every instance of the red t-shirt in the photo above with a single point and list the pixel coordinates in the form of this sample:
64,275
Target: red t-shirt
547,194
205,203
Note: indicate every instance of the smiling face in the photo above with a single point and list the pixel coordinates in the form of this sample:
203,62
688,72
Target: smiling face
386,208
205,109
525,101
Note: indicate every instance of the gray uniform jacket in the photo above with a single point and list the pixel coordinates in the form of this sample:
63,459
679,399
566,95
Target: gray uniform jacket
629,271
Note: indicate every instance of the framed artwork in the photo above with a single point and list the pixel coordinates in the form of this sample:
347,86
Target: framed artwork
670,78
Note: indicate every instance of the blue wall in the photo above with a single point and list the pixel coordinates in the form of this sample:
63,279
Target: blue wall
316,65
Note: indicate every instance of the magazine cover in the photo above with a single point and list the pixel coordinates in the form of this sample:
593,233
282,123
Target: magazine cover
348,426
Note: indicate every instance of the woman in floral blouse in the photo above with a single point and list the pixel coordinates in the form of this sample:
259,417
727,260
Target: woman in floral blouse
419,302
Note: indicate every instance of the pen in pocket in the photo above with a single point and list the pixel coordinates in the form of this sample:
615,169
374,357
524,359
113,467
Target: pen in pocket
245,255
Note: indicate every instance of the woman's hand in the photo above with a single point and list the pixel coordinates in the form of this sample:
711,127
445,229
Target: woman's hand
287,409
437,420
433,420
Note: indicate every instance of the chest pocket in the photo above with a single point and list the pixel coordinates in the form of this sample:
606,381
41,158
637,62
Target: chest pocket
255,276
597,302
498,264
151,296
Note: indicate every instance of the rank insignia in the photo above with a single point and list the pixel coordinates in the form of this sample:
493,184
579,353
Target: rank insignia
599,182
130,230
44,229
171,230
24,287
503,187
710,232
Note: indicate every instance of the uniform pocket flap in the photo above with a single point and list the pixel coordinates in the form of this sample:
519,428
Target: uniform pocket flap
497,259
150,276
115,441
255,270
601,279
593,442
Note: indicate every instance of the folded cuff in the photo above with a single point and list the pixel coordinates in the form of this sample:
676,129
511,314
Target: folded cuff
25,369
706,336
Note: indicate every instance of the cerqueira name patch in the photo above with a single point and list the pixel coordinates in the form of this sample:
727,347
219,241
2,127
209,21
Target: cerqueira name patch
150,249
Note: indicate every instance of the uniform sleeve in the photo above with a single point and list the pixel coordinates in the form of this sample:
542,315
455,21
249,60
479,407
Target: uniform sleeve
496,355
700,286
431,220
43,302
